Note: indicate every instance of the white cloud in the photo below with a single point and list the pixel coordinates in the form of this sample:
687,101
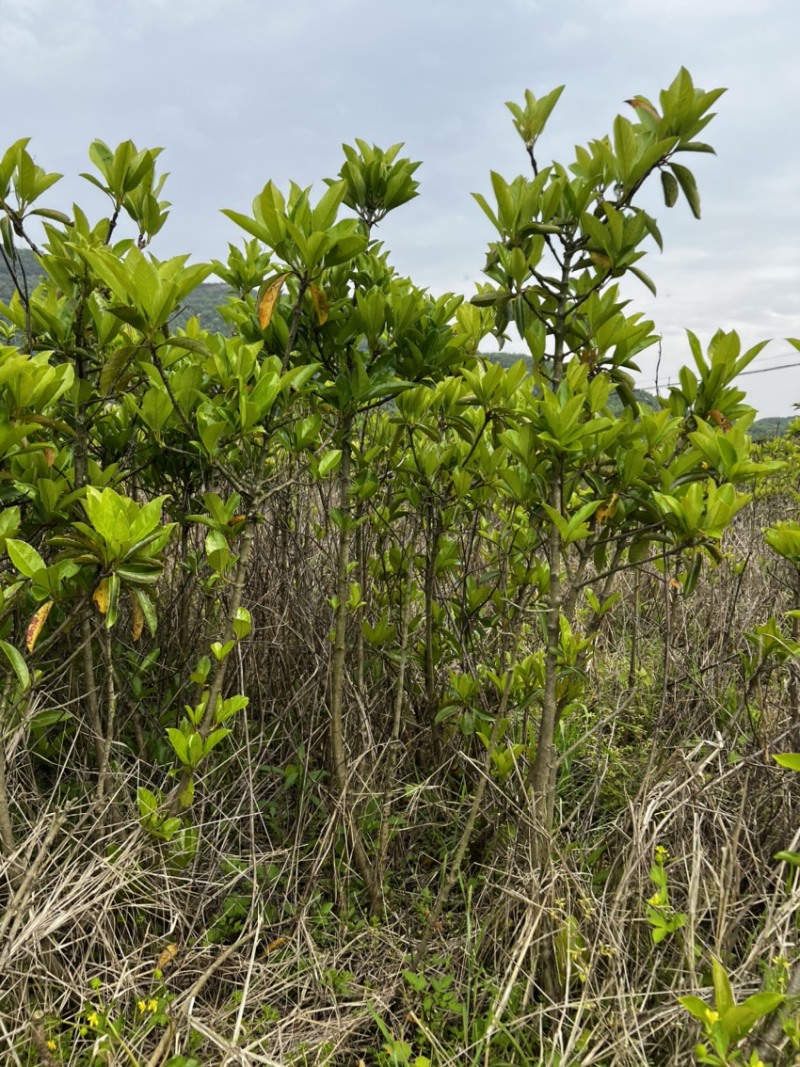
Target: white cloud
239,91
685,16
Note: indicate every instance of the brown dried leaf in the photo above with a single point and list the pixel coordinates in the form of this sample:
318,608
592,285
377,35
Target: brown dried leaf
36,624
166,957
273,946
137,619
721,421
638,103
269,299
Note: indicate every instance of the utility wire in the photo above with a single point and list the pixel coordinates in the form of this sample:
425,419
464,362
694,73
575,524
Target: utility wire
759,370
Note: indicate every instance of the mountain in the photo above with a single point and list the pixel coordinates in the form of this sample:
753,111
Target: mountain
766,429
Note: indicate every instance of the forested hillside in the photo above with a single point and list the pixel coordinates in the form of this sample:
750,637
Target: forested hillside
369,701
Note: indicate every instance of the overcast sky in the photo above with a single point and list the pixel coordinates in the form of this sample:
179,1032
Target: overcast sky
241,91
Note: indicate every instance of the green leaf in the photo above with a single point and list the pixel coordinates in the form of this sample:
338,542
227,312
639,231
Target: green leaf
18,664
147,802
792,858
242,623
791,760
698,146
558,521
418,982
695,1006
736,1022
25,558
43,720
147,606
115,366
196,749
329,462
688,186
693,574
169,827
645,279
740,1019
669,184
201,672
723,994
214,739
180,744
639,550
228,707
156,409
761,1004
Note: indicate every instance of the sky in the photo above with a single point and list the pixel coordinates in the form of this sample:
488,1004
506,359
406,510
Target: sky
239,92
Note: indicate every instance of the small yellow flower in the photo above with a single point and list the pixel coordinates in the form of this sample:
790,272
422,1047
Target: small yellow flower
92,1020
52,1045
655,900
140,1004
661,853
152,1005
711,1016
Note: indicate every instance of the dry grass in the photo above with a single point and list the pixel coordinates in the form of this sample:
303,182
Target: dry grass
296,973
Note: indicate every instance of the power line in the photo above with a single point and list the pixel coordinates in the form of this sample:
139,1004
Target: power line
744,373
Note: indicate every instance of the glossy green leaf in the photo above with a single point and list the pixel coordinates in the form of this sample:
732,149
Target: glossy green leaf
791,760
18,664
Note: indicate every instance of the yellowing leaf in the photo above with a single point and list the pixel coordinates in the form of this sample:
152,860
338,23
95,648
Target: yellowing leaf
600,260
166,957
137,619
639,103
606,511
101,595
269,299
49,456
320,302
36,624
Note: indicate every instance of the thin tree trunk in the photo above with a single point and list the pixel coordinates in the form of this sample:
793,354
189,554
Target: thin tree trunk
431,701
7,840
544,762
93,706
394,741
543,772
338,677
